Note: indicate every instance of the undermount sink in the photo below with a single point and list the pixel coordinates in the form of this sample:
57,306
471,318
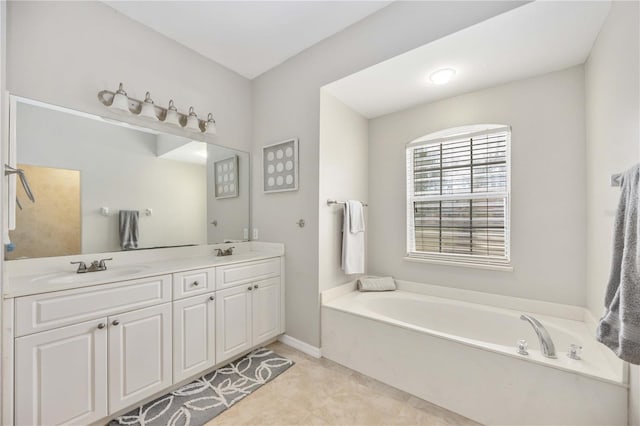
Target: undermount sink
73,277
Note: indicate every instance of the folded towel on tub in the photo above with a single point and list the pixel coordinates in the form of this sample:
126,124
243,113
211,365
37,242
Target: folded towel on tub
376,284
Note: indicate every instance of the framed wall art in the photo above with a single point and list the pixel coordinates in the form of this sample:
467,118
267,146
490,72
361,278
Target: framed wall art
280,166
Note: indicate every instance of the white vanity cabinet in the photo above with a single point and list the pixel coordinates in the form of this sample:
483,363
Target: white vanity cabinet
80,373
194,335
84,354
249,311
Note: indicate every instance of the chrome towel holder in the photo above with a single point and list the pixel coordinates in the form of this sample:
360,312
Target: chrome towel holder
331,202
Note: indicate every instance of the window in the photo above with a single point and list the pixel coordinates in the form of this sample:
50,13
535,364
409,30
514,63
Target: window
458,197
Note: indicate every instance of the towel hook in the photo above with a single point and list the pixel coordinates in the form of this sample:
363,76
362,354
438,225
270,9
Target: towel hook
616,179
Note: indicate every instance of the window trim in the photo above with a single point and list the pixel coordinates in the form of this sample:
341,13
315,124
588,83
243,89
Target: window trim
455,259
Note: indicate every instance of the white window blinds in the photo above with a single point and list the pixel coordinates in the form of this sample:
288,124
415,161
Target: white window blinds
458,198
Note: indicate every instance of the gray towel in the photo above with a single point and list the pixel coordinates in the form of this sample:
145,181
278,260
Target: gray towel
619,328
129,229
376,284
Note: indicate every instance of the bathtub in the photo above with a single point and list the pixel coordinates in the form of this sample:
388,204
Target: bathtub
462,356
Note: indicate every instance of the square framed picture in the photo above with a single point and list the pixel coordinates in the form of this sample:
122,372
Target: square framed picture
226,177
280,166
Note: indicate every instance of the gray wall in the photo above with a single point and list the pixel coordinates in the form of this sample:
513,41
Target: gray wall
63,53
546,115
286,103
612,86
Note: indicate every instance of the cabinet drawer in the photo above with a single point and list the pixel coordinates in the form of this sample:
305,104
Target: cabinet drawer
241,273
50,310
192,283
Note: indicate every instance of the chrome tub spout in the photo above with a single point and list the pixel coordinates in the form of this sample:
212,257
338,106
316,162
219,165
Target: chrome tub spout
546,343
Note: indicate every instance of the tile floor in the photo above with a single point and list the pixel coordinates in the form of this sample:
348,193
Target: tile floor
321,392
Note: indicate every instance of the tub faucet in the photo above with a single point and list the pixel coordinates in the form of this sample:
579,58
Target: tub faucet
546,343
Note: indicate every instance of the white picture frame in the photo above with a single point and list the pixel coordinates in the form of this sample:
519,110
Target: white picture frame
280,166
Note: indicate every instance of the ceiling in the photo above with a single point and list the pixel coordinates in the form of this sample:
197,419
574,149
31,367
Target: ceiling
530,40
249,37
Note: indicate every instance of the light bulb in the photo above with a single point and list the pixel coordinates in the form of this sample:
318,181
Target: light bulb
172,116
121,100
211,125
192,121
148,110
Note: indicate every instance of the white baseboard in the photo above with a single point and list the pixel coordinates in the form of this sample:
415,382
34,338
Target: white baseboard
301,346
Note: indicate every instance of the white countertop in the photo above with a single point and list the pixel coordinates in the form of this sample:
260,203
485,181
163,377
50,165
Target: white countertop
44,282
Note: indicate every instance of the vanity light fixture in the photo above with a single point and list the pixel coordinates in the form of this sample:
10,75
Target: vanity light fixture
121,100
148,109
172,116
211,125
192,121
442,76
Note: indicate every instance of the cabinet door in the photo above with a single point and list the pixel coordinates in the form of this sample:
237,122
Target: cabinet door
139,355
266,310
61,375
233,321
193,335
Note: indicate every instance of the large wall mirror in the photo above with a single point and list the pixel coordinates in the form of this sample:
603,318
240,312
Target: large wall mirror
92,176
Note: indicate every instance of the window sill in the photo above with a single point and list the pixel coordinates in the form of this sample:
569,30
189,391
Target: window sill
502,268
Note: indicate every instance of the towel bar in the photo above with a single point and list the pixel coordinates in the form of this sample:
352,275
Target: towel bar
330,202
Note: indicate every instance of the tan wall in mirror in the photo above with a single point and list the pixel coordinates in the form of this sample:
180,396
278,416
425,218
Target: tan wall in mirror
50,226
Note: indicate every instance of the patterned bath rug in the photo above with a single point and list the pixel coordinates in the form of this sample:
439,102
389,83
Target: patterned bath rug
206,397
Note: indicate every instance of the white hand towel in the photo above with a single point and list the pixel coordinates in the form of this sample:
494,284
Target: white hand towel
356,216
376,284
352,243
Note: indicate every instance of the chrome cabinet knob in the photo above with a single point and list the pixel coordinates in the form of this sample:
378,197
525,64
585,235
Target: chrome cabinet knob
212,298
115,322
196,283
249,288
101,326
255,286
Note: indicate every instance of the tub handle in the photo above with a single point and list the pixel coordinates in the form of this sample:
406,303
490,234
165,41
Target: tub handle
522,347
574,351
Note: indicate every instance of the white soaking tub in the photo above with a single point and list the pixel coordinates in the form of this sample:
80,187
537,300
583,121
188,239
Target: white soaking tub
463,356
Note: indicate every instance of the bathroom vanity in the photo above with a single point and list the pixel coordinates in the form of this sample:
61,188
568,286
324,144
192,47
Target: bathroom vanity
80,348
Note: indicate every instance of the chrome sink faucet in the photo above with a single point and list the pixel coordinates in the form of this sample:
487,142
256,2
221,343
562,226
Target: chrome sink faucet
226,252
96,265
546,343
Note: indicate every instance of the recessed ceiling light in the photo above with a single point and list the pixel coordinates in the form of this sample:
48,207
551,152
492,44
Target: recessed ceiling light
442,76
